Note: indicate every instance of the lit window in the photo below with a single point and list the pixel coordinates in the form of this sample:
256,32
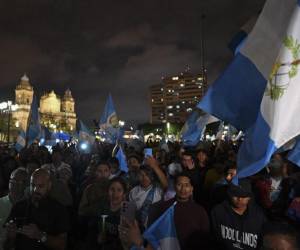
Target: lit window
181,84
200,78
183,102
195,97
189,109
169,90
162,99
170,107
162,89
170,114
177,106
175,78
199,87
152,100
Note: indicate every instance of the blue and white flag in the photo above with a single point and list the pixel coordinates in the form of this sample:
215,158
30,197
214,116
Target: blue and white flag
85,135
122,160
21,141
34,127
194,127
109,117
259,93
162,233
240,37
294,154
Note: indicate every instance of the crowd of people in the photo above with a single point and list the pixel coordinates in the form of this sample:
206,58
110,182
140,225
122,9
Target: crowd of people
70,199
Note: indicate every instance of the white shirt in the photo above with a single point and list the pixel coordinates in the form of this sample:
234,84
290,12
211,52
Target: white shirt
138,195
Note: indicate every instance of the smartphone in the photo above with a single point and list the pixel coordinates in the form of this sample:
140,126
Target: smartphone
128,210
148,152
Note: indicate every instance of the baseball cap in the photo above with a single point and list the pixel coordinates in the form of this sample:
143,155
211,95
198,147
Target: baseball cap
243,189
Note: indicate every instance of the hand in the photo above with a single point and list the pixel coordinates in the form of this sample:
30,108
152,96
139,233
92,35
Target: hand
11,229
151,161
32,232
130,232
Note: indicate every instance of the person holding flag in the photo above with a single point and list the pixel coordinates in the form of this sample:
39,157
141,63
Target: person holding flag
178,223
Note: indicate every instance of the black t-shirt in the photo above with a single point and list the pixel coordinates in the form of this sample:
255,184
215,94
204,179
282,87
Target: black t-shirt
50,217
112,222
233,231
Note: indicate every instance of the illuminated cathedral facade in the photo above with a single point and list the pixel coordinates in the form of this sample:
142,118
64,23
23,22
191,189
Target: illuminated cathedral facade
55,113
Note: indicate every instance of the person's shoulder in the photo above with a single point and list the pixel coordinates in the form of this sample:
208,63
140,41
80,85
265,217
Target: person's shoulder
255,209
162,204
4,199
221,207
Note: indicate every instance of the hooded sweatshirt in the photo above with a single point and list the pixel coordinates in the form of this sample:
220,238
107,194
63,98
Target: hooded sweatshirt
233,231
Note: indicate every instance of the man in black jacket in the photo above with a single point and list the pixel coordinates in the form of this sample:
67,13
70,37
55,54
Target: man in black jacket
237,222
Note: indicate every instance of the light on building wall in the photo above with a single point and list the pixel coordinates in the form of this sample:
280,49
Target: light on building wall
175,78
162,99
189,109
170,107
177,106
14,107
200,78
169,90
183,102
152,100
17,124
181,84
121,123
170,114
162,89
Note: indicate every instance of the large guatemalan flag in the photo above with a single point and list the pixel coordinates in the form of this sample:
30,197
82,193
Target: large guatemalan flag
162,233
259,92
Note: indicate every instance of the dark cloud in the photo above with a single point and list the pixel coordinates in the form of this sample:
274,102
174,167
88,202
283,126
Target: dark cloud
95,47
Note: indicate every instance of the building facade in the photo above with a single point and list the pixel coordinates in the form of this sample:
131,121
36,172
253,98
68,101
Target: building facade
55,113
176,96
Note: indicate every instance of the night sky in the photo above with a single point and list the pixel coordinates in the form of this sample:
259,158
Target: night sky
95,47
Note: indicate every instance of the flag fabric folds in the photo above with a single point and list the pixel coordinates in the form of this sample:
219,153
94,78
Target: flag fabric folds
34,127
109,116
194,127
259,92
21,141
85,135
122,160
240,37
109,122
294,154
162,233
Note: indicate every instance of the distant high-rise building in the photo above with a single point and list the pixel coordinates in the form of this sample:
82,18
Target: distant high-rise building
54,112
175,97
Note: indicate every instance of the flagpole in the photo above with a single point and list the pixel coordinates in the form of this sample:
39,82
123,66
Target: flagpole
203,72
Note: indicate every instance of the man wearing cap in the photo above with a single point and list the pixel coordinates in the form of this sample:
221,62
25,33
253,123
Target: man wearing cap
237,222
